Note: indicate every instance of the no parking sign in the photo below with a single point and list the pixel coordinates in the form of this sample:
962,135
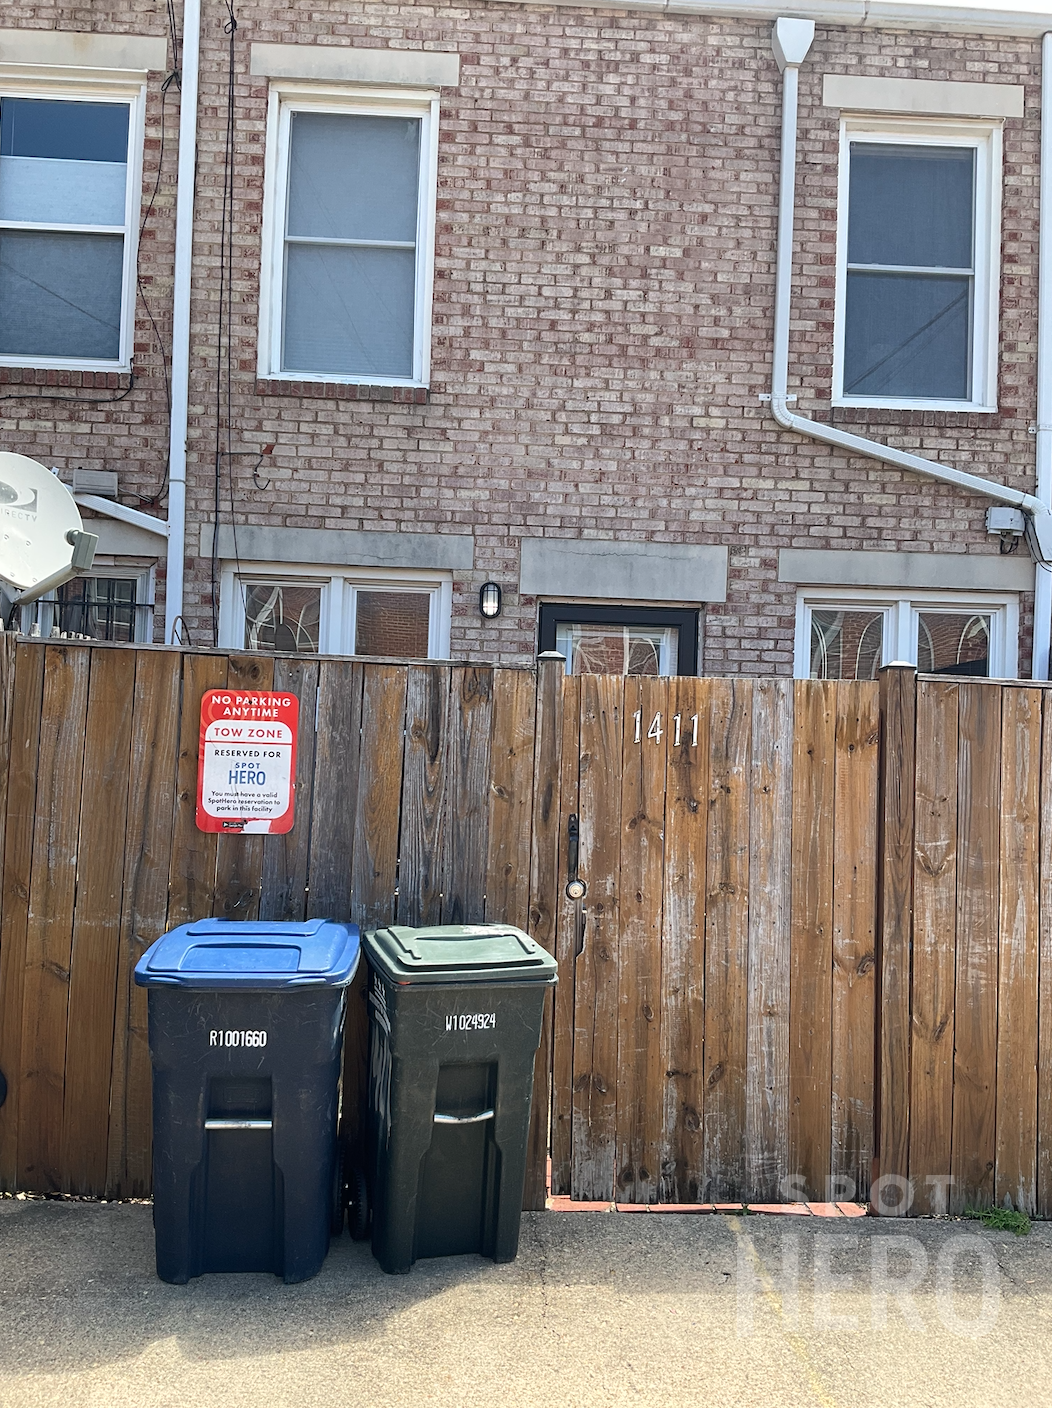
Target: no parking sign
246,762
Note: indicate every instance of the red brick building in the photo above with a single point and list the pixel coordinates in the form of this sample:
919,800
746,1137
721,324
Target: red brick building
485,293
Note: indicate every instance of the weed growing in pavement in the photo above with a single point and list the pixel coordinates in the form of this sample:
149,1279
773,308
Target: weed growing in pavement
1001,1219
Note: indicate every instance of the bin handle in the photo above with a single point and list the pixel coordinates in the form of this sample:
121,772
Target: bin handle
463,1119
239,1124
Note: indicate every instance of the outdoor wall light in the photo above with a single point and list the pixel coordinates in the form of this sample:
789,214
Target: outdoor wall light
489,600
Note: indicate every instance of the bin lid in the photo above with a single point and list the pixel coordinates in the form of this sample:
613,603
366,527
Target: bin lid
232,953
459,953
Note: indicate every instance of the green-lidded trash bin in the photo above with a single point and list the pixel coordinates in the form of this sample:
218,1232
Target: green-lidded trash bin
455,1017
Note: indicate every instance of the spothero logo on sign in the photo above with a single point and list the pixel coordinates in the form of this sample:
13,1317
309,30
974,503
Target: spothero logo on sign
246,762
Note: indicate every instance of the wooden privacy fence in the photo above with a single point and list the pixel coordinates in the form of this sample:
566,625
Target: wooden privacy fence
813,940
414,790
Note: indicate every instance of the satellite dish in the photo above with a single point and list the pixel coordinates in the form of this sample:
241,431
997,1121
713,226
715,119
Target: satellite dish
42,538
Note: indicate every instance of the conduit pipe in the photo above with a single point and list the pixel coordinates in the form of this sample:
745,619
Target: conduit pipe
184,240
1043,585
791,40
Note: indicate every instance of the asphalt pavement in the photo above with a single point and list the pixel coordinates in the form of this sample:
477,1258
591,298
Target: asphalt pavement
599,1308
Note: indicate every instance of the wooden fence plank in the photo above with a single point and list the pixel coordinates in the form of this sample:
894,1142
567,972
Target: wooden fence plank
18,861
898,720
239,856
193,860
811,953
683,948
934,941
975,1005
424,799
336,761
727,939
283,892
596,995
770,895
854,938
511,802
374,871
640,1084
144,911
51,899
508,871
559,751
1015,1174
96,921
374,865
467,831
1044,1076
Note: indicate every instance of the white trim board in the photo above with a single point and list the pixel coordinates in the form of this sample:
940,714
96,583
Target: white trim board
331,63
922,96
132,53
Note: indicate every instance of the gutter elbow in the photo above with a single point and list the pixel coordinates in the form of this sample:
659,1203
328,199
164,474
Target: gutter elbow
782,414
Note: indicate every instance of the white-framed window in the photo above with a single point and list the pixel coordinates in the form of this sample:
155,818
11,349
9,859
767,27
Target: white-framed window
315,610
849,634
349,235
111,603
70,185
918,262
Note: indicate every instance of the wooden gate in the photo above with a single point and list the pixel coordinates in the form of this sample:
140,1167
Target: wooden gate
714,1016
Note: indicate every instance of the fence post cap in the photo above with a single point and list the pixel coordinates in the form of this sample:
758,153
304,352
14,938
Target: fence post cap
552,655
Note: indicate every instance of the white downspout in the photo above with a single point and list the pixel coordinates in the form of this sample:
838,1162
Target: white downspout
184,240
1043,586
791,40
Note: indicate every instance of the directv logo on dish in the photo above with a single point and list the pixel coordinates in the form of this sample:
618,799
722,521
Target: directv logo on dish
10,505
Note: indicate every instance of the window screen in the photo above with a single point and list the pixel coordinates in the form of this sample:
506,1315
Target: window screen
910,271
350,244
62,165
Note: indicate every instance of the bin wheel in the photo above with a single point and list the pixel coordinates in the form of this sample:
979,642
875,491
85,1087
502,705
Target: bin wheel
339,1193
358,1207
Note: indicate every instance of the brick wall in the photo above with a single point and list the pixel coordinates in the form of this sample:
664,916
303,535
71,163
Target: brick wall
602,321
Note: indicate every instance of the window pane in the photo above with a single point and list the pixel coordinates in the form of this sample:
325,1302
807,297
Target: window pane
100,607
349,311
62,192
846,645
618,650
353,177
911,205
280,616
60,294
63,130
392,623
908,335
953,643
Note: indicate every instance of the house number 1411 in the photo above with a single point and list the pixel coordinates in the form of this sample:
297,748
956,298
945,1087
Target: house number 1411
656,732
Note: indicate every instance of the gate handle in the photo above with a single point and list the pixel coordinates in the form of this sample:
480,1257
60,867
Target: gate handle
239,1124
573,833
463,1119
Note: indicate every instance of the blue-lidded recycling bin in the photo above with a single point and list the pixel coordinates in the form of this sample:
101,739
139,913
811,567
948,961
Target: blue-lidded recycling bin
246,1035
